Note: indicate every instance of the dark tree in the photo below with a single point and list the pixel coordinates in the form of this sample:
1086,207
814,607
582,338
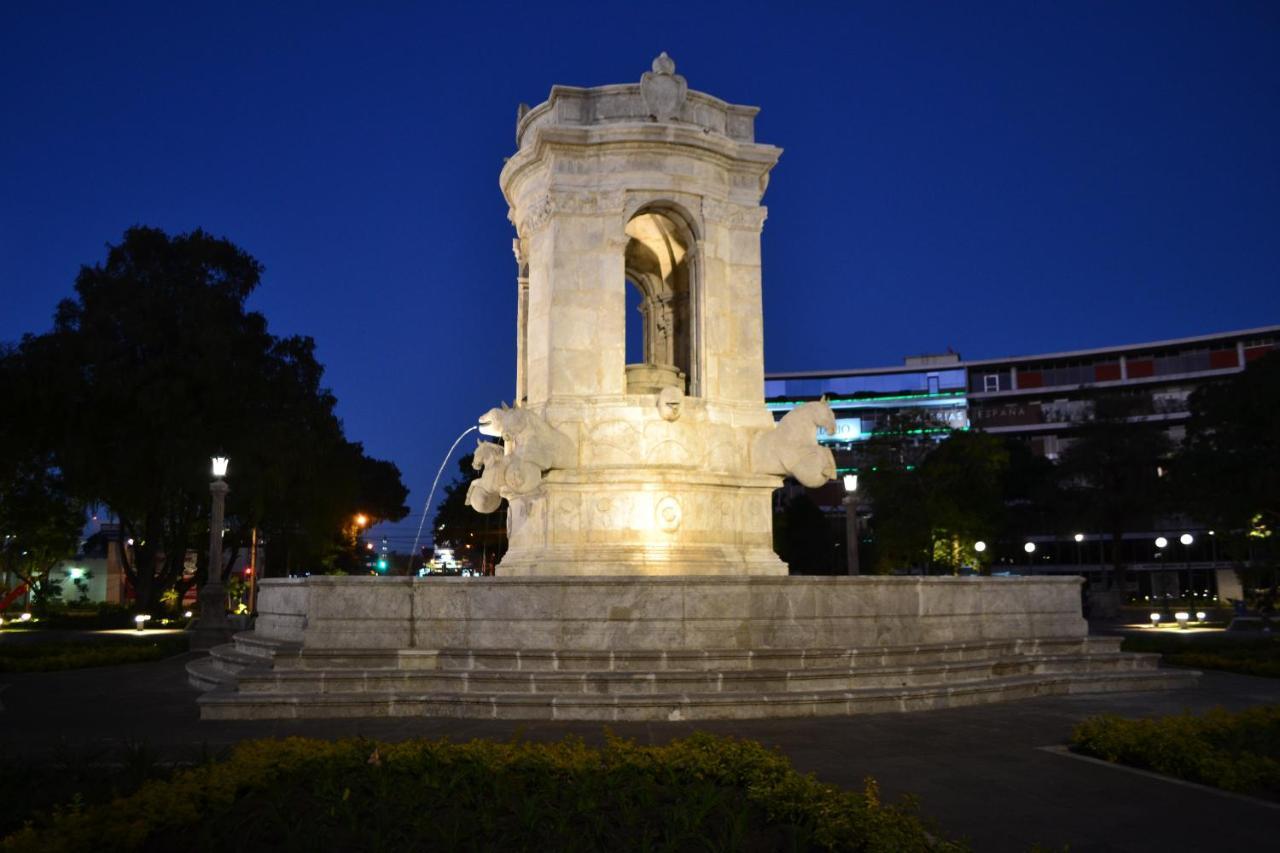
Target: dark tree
40,521
1226,474
1112,472
803,536
156,365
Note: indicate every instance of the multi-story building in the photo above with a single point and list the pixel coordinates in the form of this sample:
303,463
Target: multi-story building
1043,399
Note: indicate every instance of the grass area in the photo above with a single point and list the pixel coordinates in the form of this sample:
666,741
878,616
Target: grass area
1236,752
700,793
86,651
1250,655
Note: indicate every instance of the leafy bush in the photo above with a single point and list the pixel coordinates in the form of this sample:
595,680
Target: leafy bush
703,792
1236,752
80,654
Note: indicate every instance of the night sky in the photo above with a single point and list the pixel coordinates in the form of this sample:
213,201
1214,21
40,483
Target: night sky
1000,178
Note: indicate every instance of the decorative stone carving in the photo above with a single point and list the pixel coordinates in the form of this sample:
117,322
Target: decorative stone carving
663,90
668,514
485,493
544,208
792,446
669,402
735,215
531,447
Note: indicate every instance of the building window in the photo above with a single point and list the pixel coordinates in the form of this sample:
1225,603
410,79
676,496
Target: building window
991,382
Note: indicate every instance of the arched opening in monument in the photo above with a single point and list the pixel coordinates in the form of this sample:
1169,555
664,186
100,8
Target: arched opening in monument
659,264
635,323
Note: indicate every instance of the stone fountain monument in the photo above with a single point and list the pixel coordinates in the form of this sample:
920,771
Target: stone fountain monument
666,467
640,582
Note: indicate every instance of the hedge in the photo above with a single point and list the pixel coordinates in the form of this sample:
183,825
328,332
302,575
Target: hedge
79,654
1235,752
700,793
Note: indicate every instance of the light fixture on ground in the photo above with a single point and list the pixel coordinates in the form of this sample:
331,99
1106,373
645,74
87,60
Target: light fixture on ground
212,628
140,621
1155,620
851,523
1182,616
1199,615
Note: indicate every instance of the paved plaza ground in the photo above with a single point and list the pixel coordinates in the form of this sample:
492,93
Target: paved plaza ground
982,773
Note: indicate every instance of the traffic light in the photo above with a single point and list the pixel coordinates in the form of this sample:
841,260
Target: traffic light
382,564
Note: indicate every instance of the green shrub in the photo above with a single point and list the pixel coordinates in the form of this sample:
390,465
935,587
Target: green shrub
701,793
80,654
1236,752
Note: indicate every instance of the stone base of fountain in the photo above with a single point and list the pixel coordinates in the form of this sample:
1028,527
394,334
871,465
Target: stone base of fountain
667,648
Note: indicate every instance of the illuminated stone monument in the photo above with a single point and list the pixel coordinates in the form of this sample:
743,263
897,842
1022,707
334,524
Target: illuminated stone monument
665,466
641,583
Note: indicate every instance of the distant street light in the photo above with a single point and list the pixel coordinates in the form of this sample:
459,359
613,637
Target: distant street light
212,629
1161,542
1030,547
1186,539
979,546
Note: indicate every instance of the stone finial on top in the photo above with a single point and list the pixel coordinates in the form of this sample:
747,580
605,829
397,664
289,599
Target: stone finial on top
663,90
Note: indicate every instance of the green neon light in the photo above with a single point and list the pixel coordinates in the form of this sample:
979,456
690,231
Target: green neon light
834,401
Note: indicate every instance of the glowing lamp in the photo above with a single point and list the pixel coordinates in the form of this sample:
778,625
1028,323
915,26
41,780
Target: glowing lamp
979,546
186,614
1186,539
1161,542
141,620
1199,615
25,617
1182,616
851,482
361,519
220,464
1079,537
1030,547
1155,620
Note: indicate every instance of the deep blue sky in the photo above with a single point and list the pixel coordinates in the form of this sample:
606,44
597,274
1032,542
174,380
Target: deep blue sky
1000,178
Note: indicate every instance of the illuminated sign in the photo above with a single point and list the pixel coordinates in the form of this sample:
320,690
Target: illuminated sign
847,429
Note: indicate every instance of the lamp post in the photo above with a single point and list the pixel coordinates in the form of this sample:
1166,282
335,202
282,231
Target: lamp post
212,629
1186,539
1029,548
851,522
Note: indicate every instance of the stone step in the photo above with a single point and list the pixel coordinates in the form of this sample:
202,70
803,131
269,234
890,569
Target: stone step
250,643
224,704
714,660
558,682
203,673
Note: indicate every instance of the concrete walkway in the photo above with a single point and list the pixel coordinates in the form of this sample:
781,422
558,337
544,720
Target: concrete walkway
980,772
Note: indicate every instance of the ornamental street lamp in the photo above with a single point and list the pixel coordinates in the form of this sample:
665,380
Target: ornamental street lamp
851,522
212,629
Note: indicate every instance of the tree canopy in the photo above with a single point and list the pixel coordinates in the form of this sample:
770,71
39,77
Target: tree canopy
154,366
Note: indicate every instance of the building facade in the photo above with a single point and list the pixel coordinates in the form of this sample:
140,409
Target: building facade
1042,399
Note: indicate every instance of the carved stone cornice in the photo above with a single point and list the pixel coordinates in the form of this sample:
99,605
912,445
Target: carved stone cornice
589,203
734,215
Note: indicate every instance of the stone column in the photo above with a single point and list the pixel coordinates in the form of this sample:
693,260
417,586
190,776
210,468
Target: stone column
522,322
851,532
212,629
